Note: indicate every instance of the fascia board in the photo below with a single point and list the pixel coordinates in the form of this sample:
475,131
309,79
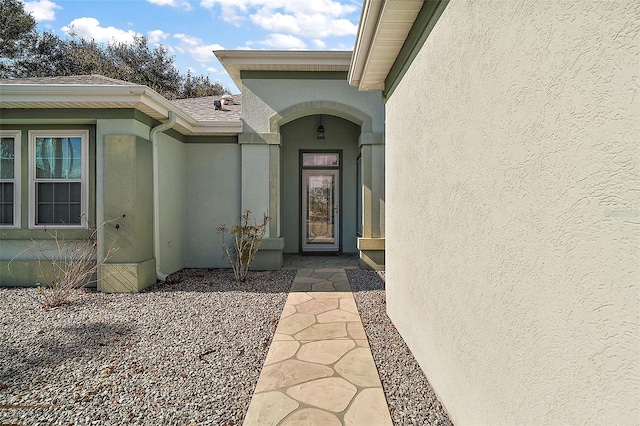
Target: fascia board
217,127
368,24
135,96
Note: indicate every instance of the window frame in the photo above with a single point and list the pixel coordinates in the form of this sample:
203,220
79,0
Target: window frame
84,180
17,187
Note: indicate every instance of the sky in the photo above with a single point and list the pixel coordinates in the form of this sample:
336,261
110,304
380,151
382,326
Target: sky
193,29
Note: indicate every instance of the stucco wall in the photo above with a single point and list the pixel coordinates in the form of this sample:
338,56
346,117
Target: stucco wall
513,211
213,198
171,168
262,98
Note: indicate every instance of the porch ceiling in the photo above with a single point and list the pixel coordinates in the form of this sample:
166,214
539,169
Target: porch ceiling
236,61
384,26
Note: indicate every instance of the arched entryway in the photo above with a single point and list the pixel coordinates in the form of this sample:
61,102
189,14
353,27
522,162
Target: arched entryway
318,185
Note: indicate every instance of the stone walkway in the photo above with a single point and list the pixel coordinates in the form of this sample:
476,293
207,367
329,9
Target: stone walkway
319,369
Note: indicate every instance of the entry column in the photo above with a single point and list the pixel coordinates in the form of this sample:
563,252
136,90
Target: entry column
260,187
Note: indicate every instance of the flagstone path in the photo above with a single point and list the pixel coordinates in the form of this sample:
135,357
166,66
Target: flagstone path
319,369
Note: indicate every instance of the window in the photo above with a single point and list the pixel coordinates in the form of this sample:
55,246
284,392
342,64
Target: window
58,162
9,178
320,159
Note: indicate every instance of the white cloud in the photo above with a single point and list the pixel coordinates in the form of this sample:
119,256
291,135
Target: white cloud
199,51
180,4
319,43
283,41
315,19
42,10
90,28
156,36
212,70
316,25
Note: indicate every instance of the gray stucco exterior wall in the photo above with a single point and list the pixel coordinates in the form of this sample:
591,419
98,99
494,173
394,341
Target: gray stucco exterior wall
512,211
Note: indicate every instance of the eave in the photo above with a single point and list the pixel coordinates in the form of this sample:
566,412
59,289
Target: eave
384,26
141,98
236,61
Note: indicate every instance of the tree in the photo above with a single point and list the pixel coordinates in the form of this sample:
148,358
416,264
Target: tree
17,34
26,53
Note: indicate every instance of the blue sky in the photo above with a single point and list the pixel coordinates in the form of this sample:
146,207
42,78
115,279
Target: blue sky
192,29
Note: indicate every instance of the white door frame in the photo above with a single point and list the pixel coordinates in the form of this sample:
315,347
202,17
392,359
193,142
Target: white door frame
321,246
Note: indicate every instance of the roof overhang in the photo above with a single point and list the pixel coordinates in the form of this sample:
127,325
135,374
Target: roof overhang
91,96
236,61
384,26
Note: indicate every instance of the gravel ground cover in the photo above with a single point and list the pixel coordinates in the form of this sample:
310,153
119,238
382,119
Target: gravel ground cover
410,396
188,351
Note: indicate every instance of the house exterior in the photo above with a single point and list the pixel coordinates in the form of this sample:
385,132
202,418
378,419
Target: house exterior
484,153
512,202
172,172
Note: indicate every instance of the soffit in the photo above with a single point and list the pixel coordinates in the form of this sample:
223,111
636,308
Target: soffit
384,26
236,61
42,95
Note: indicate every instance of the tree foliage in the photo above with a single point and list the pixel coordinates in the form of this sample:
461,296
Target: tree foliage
26,53
17,33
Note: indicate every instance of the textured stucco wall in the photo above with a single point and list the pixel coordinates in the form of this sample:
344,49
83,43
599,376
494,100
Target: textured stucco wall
513,211
171,168
262,98
212,199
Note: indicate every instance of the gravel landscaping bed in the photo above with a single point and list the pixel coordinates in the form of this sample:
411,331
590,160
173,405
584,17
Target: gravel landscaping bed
186,351
409,395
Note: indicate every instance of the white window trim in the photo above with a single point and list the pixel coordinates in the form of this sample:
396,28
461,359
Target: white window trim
84,196
17,189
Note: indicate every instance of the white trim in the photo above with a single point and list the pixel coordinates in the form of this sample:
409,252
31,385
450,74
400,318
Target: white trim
86,96
235,61
17,172
84,180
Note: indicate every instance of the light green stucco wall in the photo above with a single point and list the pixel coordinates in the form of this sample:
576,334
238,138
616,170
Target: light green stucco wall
262,98
128,196
513,248
212,195
173,206
299,135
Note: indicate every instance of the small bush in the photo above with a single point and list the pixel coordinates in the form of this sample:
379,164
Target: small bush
246,239
69,265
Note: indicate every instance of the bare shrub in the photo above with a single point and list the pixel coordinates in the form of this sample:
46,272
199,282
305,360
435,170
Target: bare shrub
66,265
246,238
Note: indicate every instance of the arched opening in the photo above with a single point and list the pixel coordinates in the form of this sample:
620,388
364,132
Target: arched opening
318,182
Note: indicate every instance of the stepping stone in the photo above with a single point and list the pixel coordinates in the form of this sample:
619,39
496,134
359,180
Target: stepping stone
295,323
318,306
368,408
342,286
337,315
323,332
281,350
311,416
300,287
358,367
348,304
288,373
268,409
325,351
297,298
323,286
356,331
288,310
332,394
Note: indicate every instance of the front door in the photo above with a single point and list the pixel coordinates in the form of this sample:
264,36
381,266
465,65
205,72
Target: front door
320,210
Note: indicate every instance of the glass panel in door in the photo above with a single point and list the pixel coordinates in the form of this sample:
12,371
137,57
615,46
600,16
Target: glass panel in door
320,210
